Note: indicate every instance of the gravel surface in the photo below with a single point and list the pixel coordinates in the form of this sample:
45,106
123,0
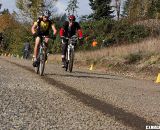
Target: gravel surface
81,100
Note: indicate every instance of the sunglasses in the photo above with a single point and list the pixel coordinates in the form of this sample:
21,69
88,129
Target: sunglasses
45,16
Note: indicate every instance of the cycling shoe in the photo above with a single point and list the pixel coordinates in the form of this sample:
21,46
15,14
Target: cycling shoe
35,64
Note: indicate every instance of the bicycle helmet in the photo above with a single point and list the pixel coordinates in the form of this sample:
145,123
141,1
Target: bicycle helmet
72,17
47,13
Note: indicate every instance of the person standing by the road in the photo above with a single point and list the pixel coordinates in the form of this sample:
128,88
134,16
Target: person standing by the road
26,50
1,40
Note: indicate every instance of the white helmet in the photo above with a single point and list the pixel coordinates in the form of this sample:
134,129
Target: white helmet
47,13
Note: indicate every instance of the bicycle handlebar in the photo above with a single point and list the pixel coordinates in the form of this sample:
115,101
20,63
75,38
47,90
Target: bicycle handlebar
67,38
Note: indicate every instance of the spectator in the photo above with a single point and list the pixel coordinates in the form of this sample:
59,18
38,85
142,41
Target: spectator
26,50
1,40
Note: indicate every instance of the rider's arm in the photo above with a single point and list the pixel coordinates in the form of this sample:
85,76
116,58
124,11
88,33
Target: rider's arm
63,29
34,28
54,29
79,30
80,34
61,32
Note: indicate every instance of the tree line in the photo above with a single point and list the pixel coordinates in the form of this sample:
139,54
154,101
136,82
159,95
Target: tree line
114,22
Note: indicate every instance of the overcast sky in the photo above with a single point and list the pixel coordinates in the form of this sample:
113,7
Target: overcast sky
84,7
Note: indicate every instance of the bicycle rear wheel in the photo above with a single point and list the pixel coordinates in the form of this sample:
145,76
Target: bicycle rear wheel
70,65
42,64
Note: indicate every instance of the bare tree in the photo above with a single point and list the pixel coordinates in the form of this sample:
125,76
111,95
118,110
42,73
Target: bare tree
118,8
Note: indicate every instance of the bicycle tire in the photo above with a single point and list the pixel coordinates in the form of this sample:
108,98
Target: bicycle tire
71,60
66,62
42,65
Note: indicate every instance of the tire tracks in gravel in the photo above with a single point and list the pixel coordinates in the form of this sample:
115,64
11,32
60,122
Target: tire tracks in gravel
118,114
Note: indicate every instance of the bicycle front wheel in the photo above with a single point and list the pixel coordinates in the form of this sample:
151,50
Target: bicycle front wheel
66,61
42,64
71,60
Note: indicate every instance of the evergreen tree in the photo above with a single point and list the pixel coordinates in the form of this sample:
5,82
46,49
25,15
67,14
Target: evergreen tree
101,8
5,11
72,7
63,18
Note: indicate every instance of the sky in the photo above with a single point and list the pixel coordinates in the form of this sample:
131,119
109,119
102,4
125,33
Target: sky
84,7
9,4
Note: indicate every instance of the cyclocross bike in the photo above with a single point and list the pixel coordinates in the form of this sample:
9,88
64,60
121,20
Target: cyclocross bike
70,52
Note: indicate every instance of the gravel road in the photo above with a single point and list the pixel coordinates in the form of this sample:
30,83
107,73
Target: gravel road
81,100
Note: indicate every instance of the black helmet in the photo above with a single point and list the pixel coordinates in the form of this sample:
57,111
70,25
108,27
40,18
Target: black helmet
47,13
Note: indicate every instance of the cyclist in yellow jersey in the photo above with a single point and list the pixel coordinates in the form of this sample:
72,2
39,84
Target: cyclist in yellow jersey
39,29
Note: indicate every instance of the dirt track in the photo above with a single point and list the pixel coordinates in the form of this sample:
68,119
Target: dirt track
79,100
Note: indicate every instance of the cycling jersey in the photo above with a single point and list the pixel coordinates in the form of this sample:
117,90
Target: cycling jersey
70,30
43,26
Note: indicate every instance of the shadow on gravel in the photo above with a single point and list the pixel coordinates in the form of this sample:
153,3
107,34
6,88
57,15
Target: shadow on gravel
92,73
127,118
118,114
80,76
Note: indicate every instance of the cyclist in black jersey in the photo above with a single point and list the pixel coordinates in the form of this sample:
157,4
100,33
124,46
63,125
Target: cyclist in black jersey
41,28
69,29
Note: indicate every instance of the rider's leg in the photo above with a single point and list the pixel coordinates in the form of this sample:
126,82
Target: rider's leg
46,41
37,41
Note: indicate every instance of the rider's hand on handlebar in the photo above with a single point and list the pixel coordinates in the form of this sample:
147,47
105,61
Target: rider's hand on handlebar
62,37
81,40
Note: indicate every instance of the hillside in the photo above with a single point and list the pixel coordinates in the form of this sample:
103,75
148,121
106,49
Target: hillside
141,59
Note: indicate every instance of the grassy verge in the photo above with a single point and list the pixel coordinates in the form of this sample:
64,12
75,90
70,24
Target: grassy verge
136,60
